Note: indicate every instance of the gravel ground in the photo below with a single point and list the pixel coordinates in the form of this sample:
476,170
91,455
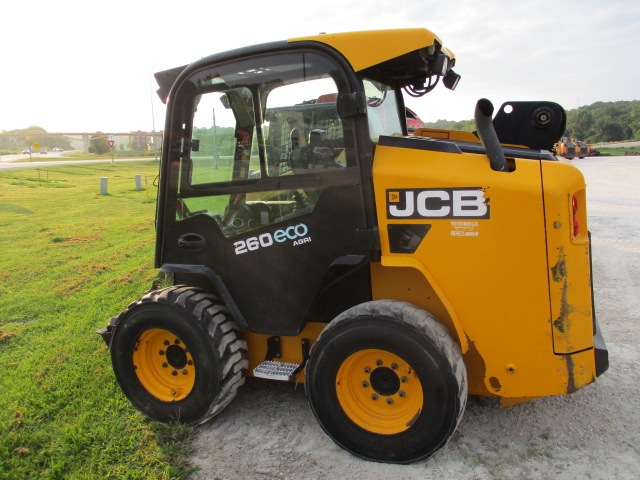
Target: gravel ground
268,432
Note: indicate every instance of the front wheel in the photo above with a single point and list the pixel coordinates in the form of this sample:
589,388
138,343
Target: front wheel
177,355
387,382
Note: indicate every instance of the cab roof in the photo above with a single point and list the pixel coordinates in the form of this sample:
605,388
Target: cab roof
368,48
362,50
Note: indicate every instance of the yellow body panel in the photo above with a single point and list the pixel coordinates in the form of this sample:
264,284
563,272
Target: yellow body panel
446,134
490,274
365,49
290,347
569,266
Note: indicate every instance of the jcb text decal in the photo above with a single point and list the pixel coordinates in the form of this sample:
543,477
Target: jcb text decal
437,203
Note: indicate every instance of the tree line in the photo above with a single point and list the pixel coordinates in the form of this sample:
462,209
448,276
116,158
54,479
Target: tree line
605,122
598,122
26,137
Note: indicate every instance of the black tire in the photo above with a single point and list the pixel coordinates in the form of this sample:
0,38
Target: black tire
429,363
200,370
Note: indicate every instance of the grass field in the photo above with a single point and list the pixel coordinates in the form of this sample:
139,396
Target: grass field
69,260
617,151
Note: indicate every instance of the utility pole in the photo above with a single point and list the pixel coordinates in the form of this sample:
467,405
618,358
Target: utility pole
29,147
153,124
215,141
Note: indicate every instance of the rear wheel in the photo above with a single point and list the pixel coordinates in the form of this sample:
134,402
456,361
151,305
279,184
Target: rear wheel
177,355
387,382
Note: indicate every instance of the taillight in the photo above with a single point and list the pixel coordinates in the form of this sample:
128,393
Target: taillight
576,222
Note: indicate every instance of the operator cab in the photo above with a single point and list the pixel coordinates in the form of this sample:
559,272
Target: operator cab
268,154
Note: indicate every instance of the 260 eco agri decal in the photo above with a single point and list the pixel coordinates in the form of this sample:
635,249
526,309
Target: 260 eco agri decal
297,234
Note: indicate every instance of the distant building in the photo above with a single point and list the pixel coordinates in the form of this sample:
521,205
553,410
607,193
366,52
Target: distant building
144,142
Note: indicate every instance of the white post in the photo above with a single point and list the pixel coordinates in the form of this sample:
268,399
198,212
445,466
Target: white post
103,185
138,181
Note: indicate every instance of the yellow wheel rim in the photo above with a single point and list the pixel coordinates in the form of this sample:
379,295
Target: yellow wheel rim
379,391
164,365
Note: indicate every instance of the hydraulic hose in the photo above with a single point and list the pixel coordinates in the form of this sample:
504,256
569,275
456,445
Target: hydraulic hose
484,125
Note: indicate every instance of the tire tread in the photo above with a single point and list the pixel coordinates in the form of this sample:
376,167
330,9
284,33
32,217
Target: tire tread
222,332
422,322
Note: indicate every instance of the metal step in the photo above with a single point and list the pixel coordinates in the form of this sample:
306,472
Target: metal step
276,370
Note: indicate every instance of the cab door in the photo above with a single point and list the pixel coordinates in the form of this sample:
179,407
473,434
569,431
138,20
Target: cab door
263,188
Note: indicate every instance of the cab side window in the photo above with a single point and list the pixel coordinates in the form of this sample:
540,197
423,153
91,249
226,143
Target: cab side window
255,121
223,141
303,128
382,109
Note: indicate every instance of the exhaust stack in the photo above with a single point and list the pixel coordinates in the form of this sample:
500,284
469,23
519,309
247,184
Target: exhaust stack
484,124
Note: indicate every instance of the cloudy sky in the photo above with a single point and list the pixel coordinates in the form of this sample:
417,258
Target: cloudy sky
72,65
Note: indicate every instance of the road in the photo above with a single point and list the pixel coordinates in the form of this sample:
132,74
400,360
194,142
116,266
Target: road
268,431
25,157
13,164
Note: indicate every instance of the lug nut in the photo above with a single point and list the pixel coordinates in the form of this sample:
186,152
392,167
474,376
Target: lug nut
177,341
165,365
389,400
394,366
174,373
401,394
161,352
365,384
379,363
166,342
189,362
184,372
403,379
374,396
367,370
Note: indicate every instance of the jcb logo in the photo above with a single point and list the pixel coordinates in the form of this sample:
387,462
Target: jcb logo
437,203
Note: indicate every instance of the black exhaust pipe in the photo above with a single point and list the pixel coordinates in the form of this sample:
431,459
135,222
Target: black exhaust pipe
484,124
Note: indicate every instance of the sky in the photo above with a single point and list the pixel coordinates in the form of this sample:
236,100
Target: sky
77,66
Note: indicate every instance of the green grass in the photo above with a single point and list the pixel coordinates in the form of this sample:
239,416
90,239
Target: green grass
116,153
617,151
69,260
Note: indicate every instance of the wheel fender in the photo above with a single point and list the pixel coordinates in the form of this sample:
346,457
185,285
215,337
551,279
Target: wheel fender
210,281
459,333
